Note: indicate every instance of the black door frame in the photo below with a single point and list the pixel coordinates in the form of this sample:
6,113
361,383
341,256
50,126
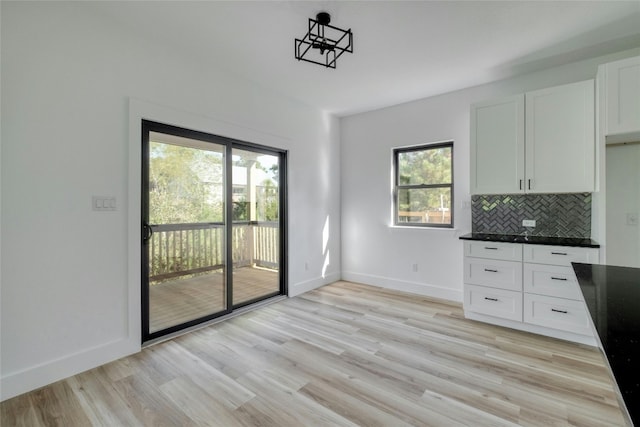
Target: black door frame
229,144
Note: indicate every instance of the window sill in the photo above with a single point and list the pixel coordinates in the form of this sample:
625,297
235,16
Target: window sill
413,227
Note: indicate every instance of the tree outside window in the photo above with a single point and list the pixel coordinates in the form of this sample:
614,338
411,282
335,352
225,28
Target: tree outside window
423,187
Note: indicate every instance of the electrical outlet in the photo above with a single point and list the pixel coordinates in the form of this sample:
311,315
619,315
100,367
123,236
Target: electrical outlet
528,222
632,218
414,267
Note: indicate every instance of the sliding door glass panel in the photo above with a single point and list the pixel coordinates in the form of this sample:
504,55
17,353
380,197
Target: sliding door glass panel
255,226
185,237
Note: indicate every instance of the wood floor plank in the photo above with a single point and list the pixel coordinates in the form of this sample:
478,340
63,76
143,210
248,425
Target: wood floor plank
342,355
207,410
350,407
102,405
229,392
20,411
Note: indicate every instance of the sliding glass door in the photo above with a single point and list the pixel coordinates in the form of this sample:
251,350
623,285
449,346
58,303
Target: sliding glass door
212,219
256,227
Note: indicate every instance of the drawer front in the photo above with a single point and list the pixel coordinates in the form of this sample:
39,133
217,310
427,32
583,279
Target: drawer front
557,313
559,255
493,302
551,280
493,250
494,273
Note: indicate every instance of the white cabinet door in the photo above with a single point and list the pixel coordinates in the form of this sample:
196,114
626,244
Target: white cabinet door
560,139
557,313
622,97
551,280
493,250
497,146
493,302
559,255
494,273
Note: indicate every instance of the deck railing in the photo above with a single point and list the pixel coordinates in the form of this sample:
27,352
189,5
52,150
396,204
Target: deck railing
182,249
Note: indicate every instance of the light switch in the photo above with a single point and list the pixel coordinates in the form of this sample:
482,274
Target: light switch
632,218
103,203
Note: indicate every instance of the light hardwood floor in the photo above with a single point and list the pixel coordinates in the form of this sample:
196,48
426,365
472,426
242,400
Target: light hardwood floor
345,354
178,301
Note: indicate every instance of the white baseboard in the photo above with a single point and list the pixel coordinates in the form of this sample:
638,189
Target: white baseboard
405,286
308,285
17,383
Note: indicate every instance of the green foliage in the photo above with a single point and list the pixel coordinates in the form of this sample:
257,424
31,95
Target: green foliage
268,202
241,210
424,167
185,185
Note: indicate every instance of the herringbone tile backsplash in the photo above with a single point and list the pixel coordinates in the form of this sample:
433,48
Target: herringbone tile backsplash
556,215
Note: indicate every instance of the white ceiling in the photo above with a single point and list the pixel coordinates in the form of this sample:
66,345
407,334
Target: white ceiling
403,50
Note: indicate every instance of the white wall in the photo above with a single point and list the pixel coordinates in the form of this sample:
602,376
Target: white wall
67,76
623,198
373,251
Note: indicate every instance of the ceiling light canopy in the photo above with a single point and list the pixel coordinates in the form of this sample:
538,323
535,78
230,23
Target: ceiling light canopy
323,44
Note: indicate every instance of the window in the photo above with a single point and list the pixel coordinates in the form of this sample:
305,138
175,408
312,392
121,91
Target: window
423,185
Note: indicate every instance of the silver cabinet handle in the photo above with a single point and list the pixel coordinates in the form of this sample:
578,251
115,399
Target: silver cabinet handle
559,311
559,278
490,270
558,253
491,299
490,248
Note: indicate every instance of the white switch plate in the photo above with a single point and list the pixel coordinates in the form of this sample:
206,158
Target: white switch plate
528,222
103,203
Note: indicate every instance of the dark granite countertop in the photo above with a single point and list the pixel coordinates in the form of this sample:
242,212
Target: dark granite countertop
612,295
533,240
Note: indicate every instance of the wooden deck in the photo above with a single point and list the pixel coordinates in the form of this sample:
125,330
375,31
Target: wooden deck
181,300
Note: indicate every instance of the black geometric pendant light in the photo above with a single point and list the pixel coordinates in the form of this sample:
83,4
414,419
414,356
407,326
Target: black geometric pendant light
323,44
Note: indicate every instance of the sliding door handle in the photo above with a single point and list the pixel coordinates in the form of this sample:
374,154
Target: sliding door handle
147,232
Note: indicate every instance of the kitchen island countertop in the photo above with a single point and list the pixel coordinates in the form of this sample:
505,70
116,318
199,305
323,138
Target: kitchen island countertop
612,295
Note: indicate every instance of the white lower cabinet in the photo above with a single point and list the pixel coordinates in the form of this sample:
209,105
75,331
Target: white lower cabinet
557,313
528,287
552,280
493,273
493,301
559,255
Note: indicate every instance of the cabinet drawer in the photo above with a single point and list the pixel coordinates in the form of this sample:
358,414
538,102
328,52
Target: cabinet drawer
557,313
493,302
494,273
559,255
493,250
551,280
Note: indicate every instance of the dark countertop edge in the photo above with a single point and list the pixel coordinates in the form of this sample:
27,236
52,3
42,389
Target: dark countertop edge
532,240
609,292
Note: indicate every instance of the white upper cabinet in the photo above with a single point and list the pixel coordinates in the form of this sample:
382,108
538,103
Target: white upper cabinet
560,139
497,146
622,97
539,142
